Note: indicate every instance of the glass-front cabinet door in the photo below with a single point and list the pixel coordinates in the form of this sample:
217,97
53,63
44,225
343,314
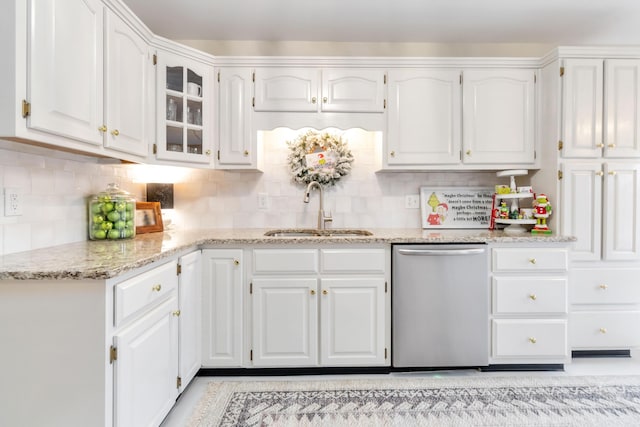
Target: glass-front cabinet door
184,109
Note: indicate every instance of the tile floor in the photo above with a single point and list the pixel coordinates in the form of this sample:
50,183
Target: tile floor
181,412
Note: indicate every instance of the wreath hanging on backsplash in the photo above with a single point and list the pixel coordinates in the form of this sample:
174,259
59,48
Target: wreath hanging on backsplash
319,156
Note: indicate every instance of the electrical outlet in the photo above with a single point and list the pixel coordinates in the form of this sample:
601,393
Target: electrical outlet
12,202
263,201
412,201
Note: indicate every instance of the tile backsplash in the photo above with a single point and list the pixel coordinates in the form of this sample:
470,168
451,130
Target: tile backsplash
362,199
55,186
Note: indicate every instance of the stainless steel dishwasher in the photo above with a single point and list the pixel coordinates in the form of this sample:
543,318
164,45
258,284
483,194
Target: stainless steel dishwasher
440,306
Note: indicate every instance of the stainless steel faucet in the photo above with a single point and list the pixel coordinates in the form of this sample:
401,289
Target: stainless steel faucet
323,219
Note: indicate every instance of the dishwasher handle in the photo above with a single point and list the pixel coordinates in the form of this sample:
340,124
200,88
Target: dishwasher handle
441,252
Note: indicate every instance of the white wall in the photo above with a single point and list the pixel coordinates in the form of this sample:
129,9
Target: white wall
54,187
299,48
362,199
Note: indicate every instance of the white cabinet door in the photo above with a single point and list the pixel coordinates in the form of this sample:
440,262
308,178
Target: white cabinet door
285,321
424,117
621,212
222,307
581,188
184,92
286,89
126,85
498,116
352,313
236,144
582,94
65,61
622,108
190,303
146,370
356,91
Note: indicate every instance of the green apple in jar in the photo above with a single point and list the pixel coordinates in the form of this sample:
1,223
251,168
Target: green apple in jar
111,215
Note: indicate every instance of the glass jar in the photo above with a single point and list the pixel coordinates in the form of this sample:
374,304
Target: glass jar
112,215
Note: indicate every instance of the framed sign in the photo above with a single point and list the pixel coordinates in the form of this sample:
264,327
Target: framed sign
148,217
456,207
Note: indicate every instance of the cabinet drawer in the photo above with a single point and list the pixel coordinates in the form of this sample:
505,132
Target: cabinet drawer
530,338
143,291
530,259
605,329
285,261
529,295
604,286
352,260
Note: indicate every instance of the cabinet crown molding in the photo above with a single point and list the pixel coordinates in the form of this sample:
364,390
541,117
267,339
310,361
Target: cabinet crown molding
357,61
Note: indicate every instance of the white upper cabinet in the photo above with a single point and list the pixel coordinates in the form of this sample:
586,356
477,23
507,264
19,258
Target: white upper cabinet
454,118
236,142
88,74
286,89
601,108
184,125
424,117
498,116
313,90
622,108
348,90
604,217
128,71
65,62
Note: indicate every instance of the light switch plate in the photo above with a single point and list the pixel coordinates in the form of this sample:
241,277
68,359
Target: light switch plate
263,201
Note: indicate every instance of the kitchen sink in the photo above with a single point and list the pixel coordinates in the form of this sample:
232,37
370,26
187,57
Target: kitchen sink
312,232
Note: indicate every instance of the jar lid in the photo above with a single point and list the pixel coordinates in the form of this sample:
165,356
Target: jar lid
114,191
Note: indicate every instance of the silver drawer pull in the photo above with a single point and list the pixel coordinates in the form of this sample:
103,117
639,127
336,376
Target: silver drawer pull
156,288
603,287
603,330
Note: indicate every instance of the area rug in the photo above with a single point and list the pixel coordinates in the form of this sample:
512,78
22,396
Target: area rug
434,401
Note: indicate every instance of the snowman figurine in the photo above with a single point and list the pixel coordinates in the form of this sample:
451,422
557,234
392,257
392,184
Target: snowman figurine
542,210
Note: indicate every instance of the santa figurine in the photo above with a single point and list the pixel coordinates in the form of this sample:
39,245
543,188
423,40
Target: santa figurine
542,210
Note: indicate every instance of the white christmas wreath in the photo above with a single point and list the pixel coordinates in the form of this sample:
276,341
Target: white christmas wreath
320,157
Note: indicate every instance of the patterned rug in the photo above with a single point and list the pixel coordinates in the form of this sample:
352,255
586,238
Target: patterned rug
434,401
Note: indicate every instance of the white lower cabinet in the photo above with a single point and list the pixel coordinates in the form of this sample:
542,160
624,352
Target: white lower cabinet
529,304
605,304
284,321
326,307
190,303
529,338
101,352
145,347
146,371
222,307
352,321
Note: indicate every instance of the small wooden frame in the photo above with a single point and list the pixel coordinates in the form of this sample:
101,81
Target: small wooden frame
148,217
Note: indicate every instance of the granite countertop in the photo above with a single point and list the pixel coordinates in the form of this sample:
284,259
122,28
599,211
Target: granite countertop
107,259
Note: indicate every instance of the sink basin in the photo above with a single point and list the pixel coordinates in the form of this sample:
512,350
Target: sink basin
312,232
